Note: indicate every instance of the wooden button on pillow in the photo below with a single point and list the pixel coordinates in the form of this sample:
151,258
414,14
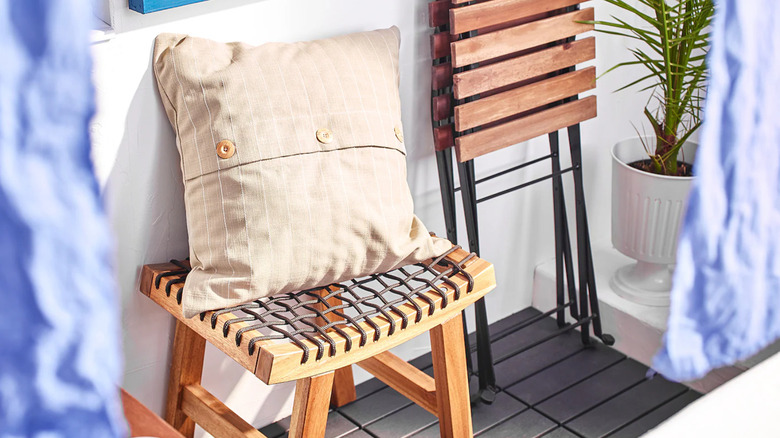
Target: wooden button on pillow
293,162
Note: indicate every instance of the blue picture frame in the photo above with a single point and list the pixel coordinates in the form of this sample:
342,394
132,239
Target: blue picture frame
147,6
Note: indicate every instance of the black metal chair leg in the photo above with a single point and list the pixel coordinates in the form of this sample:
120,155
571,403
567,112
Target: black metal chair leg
583,241
581,218
567,258
564,250
557,189
594,300
487,377
592,295
447,186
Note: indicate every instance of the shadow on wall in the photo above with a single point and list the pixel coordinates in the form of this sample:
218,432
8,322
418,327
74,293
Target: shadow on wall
144,198
145,201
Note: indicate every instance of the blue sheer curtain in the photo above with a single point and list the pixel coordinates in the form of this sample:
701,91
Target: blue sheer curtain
726,294
59,336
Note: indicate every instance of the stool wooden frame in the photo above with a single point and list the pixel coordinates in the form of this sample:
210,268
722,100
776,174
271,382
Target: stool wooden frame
326,380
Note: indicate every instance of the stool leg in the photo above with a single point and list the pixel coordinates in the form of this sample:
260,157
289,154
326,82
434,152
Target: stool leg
310,408
449,371
343,387
186,369
343,381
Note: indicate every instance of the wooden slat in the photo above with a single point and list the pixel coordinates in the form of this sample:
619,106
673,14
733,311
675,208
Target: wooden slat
443,137
310,406
514,39
441,107
441,76
514,70
498,137
213,416
227,344
452,388
440,45
513,23
500,90
143,422
404,378
281,362
439,13
492,13
518,100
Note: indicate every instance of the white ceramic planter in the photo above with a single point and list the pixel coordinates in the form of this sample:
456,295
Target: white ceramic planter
647,211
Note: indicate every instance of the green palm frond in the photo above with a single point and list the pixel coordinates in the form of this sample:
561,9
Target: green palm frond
672,43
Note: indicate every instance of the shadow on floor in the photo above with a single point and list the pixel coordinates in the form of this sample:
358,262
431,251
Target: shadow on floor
557,389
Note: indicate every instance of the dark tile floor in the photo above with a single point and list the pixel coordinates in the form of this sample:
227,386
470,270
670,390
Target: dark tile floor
557,389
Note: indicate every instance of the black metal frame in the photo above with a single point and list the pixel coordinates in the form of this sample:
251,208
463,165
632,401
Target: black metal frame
583,309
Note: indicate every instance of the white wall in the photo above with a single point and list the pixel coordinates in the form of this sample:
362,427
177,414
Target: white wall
137,165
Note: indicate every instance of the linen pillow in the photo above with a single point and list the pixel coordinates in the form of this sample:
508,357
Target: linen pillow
293,162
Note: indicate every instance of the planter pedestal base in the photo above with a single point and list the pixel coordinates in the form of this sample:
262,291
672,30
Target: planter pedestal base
644,283
647,212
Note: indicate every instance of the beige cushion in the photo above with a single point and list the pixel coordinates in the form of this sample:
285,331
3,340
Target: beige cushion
293,162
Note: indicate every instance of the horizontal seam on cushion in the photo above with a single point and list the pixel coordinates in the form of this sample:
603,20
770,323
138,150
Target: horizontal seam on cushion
297,154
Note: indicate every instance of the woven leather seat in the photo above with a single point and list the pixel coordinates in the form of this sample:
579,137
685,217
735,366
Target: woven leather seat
315,335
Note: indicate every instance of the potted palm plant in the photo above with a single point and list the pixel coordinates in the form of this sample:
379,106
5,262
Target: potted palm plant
651,175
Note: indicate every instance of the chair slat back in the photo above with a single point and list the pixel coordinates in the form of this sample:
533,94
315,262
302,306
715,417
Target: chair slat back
514,71
515,131
495,12
519,100
518,38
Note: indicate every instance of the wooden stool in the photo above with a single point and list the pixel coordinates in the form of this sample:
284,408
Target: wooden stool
314,336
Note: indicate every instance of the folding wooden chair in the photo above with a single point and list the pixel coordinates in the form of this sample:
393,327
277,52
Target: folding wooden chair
504,73
314,336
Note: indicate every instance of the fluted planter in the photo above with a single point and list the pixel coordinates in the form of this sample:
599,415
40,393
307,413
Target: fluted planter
647,211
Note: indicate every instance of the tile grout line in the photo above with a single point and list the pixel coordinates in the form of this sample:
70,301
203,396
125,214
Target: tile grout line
623,391
533,405
359,426
532,345
541,370
517,327
504,421
383,416
648,412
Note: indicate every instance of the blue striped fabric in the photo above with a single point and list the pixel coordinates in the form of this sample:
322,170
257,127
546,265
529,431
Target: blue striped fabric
59,335
726,295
